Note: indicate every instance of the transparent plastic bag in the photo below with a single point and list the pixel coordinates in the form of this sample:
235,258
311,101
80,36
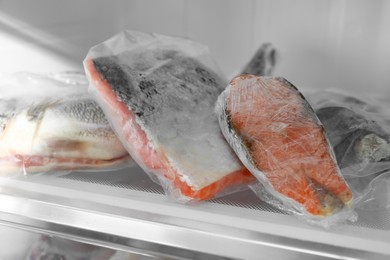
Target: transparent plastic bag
50,123
55,248
358,127
278,137
159,92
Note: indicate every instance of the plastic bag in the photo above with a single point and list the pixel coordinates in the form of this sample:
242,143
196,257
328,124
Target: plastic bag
358,127
278,137
159,92
50,123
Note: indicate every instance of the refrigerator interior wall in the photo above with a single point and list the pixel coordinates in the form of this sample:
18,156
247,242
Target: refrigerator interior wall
327,44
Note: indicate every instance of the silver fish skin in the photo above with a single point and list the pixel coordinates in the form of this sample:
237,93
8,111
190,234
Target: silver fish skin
49,122
358,129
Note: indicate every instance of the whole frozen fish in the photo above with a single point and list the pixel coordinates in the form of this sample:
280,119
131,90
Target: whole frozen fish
278,137
49,122
159,93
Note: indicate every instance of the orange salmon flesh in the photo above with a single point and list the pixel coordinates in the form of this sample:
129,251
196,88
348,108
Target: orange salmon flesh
286,142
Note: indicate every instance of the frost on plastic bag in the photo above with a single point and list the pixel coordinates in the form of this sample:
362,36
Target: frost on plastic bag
49,123
359,130
278,137
159,93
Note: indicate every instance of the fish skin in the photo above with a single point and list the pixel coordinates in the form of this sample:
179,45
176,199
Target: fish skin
263,61
7,108
293,160
347,129
160,100
356,128
63,129
83,110
143,93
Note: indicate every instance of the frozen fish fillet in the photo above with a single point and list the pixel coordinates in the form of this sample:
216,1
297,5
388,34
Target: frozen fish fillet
159,95
49,122
277,135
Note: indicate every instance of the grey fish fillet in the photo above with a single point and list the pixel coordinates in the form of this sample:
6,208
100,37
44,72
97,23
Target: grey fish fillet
49,122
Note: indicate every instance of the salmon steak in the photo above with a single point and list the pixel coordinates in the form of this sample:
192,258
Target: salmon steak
50,123
278,137
159,93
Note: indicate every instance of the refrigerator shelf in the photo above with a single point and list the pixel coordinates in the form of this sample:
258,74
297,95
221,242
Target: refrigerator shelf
125,210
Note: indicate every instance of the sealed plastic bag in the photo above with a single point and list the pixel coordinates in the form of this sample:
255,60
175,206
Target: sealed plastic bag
50,123
278,137
359,130
159,92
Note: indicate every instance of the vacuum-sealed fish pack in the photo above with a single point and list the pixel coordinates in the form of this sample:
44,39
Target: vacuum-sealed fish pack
159,93
358,127
50,123
278,137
